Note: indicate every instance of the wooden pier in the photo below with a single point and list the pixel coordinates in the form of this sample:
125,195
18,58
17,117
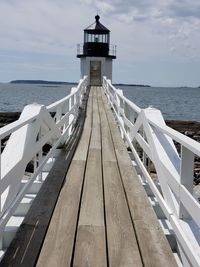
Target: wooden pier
102,216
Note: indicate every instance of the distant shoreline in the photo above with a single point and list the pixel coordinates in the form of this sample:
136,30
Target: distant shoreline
51,83
41,82
131,85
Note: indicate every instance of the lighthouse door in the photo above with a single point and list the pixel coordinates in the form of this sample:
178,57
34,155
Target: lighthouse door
95,72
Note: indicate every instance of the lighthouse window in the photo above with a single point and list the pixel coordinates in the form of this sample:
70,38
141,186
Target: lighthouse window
106,38
97,38
90,38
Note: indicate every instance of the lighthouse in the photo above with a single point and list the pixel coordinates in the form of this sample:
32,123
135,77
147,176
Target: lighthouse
96,53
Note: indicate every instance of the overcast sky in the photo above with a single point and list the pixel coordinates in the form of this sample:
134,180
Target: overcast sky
158,41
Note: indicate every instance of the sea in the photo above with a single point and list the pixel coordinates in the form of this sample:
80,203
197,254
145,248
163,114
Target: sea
182,103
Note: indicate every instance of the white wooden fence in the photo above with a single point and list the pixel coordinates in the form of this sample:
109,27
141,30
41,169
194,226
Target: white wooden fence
27,137
146,129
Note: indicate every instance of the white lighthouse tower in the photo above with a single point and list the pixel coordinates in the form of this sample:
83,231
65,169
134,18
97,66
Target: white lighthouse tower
96,54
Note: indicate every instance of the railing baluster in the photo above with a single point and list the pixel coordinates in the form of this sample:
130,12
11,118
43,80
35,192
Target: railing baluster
0,180
0,159
186,177
35,163
67,109
58,114
40,156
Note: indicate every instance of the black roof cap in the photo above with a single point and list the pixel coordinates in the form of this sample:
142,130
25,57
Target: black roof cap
97,26
97,17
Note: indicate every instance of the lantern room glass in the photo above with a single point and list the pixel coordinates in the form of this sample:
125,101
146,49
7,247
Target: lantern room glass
96,38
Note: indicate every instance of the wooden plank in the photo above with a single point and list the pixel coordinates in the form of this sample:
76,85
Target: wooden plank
154,247
58,246
90,252
96,137
122,244
90,249
81,152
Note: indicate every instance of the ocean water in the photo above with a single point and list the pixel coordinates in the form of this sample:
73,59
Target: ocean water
174,103
13,97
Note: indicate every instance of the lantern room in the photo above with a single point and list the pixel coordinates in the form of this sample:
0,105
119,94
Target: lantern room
96,53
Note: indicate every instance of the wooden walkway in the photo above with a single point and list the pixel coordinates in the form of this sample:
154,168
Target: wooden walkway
103,216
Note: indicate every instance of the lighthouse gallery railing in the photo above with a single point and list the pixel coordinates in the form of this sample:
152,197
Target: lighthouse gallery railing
27,137
152,144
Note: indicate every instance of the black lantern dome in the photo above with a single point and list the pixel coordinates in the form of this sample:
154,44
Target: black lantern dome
96,41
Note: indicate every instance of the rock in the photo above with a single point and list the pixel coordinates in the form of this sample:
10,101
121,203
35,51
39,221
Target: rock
189,133
196,137
30,167
8,117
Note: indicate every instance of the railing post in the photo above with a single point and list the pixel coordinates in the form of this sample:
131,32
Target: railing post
73,102
120,109
35,163
58,114
67,109
110,93
0,159
144,156
40,156
186,177
0,179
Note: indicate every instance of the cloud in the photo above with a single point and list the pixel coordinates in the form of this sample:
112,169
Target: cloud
40,26
48,26
185,9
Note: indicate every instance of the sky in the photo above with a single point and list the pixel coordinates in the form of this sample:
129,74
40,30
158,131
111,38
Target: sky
158,41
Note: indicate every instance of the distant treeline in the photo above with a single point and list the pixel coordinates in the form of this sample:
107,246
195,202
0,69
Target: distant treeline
128,84
41,82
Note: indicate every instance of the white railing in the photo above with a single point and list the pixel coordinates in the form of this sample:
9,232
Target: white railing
146,129
37,126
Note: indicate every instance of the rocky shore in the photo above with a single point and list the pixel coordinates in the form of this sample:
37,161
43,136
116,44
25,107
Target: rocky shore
8,117
189,128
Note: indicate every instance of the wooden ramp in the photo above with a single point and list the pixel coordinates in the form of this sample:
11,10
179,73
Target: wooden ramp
103,216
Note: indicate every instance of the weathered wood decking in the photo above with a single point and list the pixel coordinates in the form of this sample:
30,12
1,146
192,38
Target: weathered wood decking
103,216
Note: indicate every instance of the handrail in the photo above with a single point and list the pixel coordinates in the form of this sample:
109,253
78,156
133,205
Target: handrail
37,126
152,142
